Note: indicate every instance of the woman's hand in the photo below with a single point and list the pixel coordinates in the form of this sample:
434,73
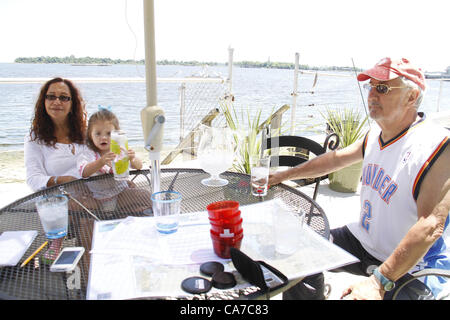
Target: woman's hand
55,180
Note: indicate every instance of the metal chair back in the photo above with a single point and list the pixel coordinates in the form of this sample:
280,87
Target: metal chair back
303,148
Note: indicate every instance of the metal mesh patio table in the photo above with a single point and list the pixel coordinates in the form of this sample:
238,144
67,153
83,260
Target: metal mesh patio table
35,281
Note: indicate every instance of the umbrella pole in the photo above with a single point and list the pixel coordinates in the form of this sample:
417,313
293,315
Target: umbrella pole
150,57
152,116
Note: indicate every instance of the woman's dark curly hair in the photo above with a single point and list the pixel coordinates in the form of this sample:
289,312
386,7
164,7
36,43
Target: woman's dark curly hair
42,127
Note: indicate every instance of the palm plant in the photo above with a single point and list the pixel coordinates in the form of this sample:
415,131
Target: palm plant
347,123
247,141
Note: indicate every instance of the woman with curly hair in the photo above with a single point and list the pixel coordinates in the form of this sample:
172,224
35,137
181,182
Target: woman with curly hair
57,135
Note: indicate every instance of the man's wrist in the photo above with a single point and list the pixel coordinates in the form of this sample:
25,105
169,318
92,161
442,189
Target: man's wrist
283,176
376,282
383,282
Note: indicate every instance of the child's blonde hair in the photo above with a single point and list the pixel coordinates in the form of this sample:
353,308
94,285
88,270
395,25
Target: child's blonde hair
102,115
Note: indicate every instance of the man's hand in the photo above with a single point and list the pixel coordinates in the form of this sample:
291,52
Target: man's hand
368,289
275,178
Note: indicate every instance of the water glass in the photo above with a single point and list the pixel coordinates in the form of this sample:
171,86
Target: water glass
109,205
166,209
121,163
216,154
287,228
53,212
259,175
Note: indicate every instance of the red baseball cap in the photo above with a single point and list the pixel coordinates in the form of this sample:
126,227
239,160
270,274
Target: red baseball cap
388,69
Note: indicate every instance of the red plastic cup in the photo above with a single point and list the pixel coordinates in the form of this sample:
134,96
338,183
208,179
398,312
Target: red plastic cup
235,218
226,235
222,209
231,227
222,246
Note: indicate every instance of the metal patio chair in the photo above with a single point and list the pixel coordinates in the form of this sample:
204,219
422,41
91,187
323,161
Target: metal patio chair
400,295
303,150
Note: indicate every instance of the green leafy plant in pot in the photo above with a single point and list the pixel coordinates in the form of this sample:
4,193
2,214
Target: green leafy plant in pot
349,125
247,129
247,134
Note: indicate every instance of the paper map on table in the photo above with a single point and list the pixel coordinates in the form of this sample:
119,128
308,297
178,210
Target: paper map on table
129,258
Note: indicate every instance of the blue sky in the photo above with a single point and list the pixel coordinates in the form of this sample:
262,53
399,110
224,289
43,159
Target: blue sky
324,32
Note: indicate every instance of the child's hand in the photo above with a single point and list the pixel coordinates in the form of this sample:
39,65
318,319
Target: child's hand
135,162
131,154
107,158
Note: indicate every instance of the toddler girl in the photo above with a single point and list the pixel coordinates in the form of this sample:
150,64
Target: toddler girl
97,159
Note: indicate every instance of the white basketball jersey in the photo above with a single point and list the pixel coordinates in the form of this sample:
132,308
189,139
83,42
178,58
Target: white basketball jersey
392,175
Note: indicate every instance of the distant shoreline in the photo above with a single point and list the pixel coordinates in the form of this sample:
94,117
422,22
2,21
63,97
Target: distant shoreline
90,61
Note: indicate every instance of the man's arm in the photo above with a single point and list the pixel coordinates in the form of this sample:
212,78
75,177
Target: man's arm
321,165
433,205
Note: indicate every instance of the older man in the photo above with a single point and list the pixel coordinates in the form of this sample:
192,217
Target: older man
405,197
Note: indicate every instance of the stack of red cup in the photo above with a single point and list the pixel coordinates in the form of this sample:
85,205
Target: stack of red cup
226,226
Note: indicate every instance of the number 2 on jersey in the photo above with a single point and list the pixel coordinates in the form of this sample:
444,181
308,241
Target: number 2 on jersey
365,220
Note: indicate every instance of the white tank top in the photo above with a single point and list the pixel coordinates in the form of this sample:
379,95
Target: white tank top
392,175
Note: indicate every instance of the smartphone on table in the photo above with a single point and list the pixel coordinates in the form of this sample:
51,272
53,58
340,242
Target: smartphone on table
67,259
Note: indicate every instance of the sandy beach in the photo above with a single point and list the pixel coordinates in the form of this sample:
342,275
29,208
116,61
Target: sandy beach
12,177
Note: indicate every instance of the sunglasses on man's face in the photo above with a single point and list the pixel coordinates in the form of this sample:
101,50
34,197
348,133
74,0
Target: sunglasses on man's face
380,87
52,97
